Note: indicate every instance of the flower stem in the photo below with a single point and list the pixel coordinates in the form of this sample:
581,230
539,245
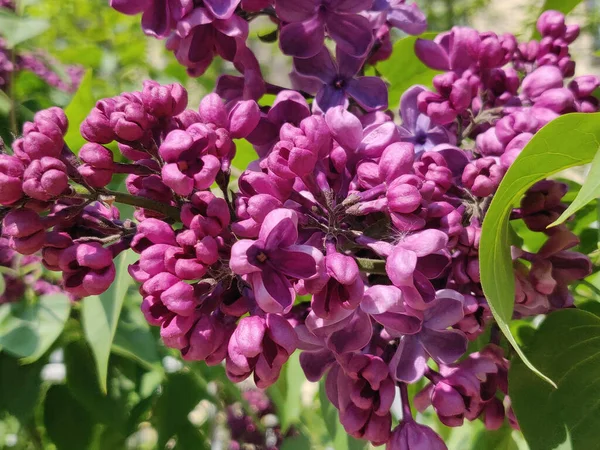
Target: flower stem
375,266
142,202
406,411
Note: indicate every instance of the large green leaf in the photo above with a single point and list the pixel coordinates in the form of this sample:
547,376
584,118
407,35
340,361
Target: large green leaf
287,391
105,407
28,329
403,69
78,109
588,192
100,315
20,387
566,348
568,141
138,343
181,393
67,423
16,30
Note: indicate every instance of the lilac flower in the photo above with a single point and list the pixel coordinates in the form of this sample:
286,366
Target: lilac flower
415,260
385,305
200,36
434,340
88,269
25,230
308,20
416,127
340,81
408,18
11,178
260,345
455,50
362,390
159,16
270,261
410,435
45,178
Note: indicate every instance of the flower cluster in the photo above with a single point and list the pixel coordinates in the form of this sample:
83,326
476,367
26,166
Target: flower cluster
352,238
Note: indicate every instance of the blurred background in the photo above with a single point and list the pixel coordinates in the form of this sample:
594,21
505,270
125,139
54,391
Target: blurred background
153,399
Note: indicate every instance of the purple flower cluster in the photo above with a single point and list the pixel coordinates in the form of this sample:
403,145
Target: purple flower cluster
352,238
198,31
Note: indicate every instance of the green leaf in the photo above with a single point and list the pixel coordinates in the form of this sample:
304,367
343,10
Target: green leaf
16,30
287,392
29,329
566,348
589,191
67,423
568,141
138,343
404,69
19,402
181,393
105,407
2,285
564,6
100,315
80,106
244,154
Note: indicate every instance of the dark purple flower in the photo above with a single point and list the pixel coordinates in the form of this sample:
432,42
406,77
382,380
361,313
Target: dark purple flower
434,340
410,435
260,345
307,21
340,81
273,259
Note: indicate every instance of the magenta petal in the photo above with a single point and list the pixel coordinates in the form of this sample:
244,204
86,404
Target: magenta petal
273,292
315,364
444,346
400,266
432,54
369,92
345,127
410,361
296,261
279,228
408,18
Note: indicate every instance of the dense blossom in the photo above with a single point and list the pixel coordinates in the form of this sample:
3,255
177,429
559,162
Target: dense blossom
352,238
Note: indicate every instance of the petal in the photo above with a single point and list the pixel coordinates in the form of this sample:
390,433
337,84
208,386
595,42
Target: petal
409,363
352,33
297,261
400,266
273,292
319,66
315,364
432,54
408,18
296,10
279,229
302,39
239,263
330,97
221,9
369,92
445,311
444,346
345,127
350,6
379,299
425,242
354,336
409,112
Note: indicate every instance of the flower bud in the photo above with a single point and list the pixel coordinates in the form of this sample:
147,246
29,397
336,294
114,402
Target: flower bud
88,269
164,101
482,176
11,176
45,178
25,230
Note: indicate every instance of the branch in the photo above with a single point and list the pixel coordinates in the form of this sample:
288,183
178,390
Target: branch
376,266
142,202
